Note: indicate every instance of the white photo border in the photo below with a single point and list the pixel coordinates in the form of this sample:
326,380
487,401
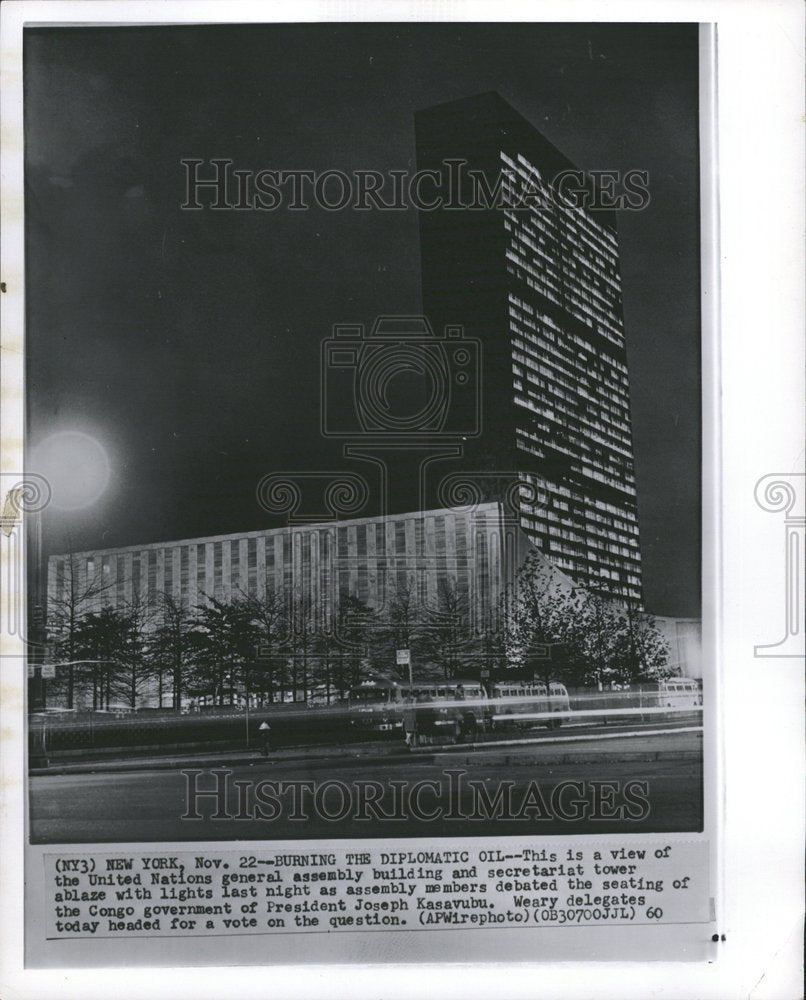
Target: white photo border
753,391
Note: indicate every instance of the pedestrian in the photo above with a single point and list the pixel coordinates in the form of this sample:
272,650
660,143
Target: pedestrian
265,735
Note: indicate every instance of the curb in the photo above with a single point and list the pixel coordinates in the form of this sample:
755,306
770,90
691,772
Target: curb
171,764
611,757
522,759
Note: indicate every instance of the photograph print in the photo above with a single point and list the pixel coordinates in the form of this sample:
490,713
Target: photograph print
363,388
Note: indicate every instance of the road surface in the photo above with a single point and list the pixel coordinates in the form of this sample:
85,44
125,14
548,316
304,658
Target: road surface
649,782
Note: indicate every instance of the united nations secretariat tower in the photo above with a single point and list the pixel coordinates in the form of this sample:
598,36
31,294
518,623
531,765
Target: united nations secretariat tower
540,287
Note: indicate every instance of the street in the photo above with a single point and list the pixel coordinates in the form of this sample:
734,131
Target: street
639,782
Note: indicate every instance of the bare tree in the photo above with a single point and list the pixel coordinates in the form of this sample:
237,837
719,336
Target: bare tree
540,621
269,615
224,639
139,614
404,614
446,629
169,646
101,639
81,591
644,652
356,629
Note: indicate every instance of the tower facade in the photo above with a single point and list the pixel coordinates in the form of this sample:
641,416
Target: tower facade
522,258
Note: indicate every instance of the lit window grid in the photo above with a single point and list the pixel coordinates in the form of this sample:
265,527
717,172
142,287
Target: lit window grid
617,440
532,176
552,329
319,564
589,275
597,470
568,438
600,239
552,364
592,293
535,279
566,371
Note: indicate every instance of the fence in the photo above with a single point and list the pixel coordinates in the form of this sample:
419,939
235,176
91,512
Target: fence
78,733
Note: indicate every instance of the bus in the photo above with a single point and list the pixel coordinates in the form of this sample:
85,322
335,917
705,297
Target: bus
674,692
376,707
457,709
524,704
421,711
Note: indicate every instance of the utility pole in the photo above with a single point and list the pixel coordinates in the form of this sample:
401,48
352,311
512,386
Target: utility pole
36,656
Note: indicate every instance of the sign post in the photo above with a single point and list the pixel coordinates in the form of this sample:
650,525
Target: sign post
404,660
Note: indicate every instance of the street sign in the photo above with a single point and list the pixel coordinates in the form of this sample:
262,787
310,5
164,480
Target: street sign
485,674
403,657
49,670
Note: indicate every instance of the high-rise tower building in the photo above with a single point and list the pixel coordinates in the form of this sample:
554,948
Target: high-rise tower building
536,279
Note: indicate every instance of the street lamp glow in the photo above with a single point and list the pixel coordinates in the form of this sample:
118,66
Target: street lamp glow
77,467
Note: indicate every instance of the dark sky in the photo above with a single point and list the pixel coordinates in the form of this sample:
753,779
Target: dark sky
188,343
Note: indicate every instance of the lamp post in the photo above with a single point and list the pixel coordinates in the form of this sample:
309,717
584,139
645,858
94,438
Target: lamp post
36,657
75,470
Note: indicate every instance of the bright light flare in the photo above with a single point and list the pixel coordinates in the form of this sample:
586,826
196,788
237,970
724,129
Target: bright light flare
76,465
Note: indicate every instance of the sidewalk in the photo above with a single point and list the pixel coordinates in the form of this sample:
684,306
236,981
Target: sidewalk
346,755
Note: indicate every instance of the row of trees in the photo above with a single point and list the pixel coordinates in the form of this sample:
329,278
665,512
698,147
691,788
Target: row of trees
278,647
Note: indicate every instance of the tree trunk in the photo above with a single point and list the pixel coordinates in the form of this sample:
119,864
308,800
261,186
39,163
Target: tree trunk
71,655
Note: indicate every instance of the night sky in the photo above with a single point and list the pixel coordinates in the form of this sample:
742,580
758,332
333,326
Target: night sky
188,342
